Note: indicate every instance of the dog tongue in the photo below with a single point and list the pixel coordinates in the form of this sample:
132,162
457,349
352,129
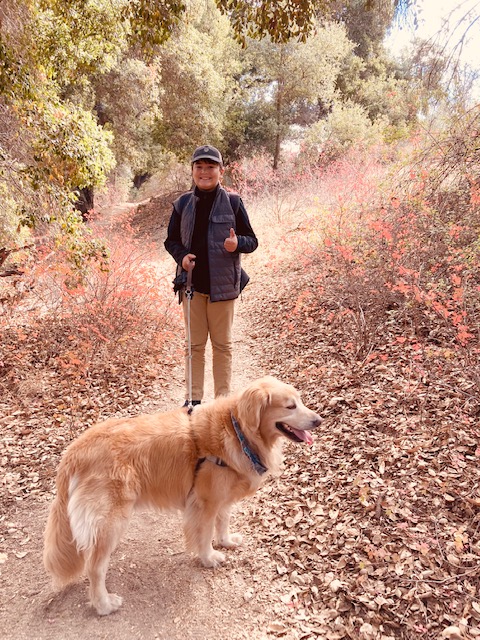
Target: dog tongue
306,436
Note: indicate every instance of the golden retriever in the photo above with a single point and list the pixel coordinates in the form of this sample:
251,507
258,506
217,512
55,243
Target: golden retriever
201,463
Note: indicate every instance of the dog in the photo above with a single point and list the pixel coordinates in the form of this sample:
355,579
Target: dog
201,463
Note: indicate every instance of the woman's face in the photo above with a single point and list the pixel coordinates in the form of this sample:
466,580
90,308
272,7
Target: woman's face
206,174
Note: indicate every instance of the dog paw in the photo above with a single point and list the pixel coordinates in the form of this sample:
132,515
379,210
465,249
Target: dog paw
231,541
213,559
108,605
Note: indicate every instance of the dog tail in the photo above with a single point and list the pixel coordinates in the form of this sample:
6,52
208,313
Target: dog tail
61,556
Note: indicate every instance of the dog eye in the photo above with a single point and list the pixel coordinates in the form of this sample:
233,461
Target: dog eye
292,406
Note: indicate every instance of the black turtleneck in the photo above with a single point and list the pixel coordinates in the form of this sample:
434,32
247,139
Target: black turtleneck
201,273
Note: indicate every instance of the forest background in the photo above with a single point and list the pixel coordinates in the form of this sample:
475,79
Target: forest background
362,173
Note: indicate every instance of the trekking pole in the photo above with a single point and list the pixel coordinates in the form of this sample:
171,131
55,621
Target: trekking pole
189,295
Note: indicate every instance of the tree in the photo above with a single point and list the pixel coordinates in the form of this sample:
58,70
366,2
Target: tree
367,24
197,78
381,87
151,20
127,104
52,145
61,60
284,77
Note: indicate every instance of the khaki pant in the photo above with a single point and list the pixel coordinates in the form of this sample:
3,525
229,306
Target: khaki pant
212,319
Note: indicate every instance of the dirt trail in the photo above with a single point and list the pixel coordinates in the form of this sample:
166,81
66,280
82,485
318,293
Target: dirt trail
167,594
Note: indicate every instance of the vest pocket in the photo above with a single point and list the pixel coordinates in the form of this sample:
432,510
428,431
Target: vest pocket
221,219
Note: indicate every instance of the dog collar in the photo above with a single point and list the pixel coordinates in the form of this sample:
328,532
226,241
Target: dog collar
251,455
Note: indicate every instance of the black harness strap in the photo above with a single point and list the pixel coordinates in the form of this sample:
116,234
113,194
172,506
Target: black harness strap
218,461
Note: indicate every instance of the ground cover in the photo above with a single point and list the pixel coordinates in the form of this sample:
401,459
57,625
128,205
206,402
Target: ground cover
371,533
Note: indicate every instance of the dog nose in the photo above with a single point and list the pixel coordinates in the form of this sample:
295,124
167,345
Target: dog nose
316,421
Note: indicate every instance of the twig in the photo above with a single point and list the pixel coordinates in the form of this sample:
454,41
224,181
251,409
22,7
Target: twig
11,272
4,252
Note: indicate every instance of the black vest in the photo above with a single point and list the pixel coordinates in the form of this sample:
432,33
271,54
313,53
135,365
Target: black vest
225,268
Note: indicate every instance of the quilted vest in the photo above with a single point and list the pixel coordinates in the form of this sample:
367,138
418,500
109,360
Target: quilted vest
225,268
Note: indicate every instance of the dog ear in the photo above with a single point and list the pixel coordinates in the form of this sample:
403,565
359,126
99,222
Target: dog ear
251,405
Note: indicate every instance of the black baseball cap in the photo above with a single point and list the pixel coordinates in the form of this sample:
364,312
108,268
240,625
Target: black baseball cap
207,152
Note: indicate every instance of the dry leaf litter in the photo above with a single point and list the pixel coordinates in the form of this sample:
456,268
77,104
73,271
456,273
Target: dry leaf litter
371,533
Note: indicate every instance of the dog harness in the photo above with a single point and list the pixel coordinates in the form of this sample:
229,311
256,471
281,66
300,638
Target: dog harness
218,461
251,455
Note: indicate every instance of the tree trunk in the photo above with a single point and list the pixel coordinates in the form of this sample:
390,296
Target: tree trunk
278,135
278,119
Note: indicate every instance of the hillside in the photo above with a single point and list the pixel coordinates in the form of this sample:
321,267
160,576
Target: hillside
371,533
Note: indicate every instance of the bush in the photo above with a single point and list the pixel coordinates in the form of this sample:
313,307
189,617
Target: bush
346,126
401,256
112,322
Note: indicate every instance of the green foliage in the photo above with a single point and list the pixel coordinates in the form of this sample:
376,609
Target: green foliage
280,21
70,149
126,103
197,69
51,145
77,38
283,78
61,147
76,94
18,76
259,131
151,22
367,24
145,23
62,144
375,84
347,125
10,234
